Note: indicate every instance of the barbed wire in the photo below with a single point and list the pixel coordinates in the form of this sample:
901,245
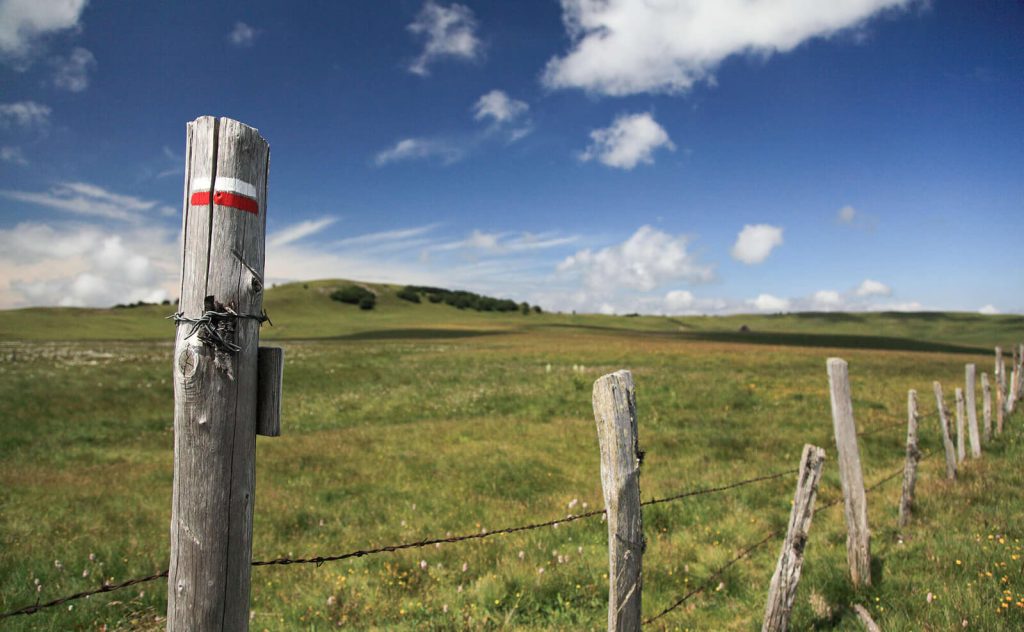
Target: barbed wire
745,552
320,560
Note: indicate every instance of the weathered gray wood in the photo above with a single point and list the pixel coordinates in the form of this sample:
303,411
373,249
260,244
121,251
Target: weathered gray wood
986,406
865,618
214,387
1000,390
961,448
270,363
858,536
615,413
782,590
947,443
972,411
913,456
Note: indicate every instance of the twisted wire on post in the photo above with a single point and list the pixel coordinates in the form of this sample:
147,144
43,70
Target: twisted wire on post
319,560
208,328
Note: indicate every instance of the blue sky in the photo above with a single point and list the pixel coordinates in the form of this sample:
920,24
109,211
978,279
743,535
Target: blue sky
675,156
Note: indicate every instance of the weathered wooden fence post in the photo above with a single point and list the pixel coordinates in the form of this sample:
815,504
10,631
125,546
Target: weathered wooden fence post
986,406
782,590
972,411
1000,389
615,413
947,443
216,376
913,456
961,448
858,537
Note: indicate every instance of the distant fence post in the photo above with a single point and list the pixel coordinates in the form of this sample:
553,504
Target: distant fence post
986,406
972,411
858,538
215,376
913,456
961,448
782,591
947,443
615,413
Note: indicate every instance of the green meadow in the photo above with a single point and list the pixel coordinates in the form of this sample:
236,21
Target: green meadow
412,421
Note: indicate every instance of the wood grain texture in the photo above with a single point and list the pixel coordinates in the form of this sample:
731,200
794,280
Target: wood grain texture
961,448
910,466
782,590
270,363
615,413
970,379
215,390
858,536
947,443
986,407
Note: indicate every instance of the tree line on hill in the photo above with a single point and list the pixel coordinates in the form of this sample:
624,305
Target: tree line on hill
459,299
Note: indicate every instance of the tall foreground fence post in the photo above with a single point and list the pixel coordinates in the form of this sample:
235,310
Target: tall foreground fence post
972,410
858,537
913,456
947,443
216,376
615,413
782,591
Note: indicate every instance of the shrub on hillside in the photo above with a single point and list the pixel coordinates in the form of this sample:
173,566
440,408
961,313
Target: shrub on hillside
367,302
409,294
353,295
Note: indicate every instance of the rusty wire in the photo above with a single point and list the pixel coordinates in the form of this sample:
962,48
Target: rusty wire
319,560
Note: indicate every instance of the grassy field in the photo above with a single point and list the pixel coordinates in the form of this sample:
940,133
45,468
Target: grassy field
413,421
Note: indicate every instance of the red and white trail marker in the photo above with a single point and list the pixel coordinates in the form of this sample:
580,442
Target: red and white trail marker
230,192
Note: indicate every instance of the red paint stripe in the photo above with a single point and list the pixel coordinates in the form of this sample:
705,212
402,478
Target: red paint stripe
234,200
200,198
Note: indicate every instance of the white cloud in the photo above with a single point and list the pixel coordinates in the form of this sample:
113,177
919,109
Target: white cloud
989,310
242,35
385,236
479,241
22,22
769,303
846,215
418,149
13,155
71,73
449,32
497,106
24,114
78,265
647,259
631,139
755,242
299,231
827,300
81,198
623,47
869,287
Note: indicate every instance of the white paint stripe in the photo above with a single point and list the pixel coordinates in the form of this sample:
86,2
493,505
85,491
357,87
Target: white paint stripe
233,185
200,184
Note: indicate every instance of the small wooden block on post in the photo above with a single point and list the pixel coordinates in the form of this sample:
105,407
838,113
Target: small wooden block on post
972,411
947,443
913,456
615,413
782,591
961,448
270,362
986,406
858,536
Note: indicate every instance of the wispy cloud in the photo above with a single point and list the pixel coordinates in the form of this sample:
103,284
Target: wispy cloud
82,198
449,32
13,155
71,73
298,231
23,22
26,115
386,236
420,149
243,35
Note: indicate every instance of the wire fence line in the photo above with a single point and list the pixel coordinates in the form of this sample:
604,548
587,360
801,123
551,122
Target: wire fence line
750,548
320,560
